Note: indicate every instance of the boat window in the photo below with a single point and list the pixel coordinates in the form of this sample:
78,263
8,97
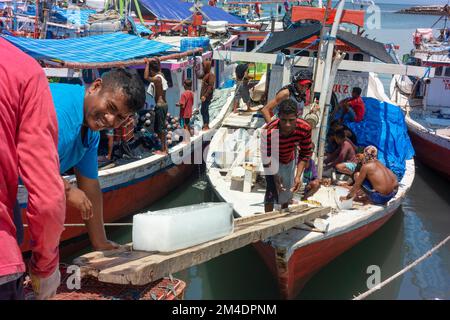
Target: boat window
168,75
241,43
347,56
358,57
250,45
447,72
286,51
438,71
189,73
300,53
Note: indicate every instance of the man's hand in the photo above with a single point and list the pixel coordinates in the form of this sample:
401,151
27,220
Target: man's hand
279,184
297,184
78,199
45,288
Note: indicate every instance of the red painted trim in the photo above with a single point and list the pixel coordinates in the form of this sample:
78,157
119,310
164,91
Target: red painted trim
307,260
431,154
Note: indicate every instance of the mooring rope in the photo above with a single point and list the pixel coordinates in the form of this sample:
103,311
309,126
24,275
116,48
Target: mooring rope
404,270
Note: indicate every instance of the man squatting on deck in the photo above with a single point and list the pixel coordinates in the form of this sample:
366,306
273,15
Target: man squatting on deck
28,144
378,183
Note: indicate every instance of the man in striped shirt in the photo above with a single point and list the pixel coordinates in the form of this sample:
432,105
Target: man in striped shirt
280,139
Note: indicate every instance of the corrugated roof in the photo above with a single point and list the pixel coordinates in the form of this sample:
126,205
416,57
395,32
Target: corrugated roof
95,49
178,10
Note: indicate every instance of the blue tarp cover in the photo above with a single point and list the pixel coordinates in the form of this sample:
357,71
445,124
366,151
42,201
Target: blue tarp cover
95,49
384,127
74,16
178,10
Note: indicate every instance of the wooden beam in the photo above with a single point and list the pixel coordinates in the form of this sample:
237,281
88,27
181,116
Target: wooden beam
140,268
377,67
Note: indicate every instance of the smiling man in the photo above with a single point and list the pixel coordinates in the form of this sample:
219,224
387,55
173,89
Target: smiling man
82,112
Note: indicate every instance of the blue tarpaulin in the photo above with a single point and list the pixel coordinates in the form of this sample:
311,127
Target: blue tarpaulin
384,127
74,15
178,10
95,49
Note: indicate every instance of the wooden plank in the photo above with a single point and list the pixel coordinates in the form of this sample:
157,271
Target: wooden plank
364,66
140,268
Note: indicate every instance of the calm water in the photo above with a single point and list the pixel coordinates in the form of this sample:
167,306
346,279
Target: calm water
421,222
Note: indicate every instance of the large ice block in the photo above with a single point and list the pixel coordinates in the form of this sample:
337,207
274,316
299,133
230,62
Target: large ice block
178,228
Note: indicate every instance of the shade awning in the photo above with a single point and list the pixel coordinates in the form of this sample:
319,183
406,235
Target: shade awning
285,39
178,10
103,48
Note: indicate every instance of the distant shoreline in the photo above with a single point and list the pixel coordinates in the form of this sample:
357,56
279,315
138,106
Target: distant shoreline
436,10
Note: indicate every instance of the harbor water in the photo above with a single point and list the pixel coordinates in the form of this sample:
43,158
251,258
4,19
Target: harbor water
421,222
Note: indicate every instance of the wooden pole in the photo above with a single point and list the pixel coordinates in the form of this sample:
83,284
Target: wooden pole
327,72
128,63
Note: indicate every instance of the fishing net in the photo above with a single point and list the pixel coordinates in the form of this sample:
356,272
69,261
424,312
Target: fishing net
92,289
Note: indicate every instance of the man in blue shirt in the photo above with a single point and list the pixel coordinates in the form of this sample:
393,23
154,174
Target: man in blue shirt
82,112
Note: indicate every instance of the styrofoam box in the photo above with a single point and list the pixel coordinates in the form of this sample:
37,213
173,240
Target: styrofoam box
179,228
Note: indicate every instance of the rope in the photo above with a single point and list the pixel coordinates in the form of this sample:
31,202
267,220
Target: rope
404,270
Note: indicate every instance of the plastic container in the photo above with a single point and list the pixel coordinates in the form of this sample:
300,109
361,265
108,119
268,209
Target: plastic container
187,44
179,228
342,192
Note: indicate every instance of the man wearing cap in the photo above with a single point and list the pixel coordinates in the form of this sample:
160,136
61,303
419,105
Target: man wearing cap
298,91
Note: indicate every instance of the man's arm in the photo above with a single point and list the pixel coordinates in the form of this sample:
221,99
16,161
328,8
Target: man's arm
39,170
271,105
95,226
147,70
357,185
305,153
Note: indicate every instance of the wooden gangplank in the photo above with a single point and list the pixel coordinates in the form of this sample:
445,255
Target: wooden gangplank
125,266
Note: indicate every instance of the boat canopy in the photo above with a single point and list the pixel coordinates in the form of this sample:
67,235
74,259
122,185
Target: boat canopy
103,48
284,39
178,10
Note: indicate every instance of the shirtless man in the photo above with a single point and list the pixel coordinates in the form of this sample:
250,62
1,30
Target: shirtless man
378,182
157,89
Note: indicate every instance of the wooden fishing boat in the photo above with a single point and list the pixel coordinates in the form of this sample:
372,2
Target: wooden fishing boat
294,256
426,103
297,254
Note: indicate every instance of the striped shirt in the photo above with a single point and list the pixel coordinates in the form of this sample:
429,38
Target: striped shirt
300,137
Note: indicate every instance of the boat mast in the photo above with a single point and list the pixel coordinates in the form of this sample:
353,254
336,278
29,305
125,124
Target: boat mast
327,80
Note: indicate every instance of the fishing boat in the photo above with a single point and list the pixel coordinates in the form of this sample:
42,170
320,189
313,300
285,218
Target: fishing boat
235,171
130,185
426,100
